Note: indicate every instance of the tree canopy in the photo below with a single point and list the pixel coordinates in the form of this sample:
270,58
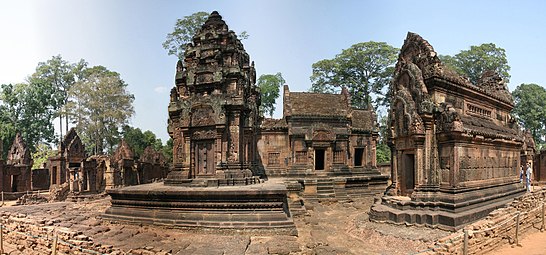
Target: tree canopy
269,85
59,74
138,140
474,62
28,108
365,69
184,30
100,106
530,108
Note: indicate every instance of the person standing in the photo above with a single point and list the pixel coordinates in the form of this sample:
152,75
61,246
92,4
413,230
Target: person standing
528,175
521,173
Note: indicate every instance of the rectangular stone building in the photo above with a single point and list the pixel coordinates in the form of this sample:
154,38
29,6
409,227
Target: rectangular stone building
322,143
319,135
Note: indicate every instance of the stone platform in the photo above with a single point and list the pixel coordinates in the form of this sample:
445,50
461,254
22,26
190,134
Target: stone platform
259,207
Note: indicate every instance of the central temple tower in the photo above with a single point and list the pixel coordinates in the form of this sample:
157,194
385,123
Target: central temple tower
213,112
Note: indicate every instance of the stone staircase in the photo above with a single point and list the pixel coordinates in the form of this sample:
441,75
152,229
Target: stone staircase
325,189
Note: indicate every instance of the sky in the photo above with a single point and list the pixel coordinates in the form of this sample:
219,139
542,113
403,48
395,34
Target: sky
286,36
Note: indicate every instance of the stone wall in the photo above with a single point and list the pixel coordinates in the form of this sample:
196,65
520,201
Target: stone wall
498,228
40,179
31,237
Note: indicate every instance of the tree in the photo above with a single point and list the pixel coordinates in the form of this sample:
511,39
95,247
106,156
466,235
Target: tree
184,30
28,108
42,155
269,85
383,152
59,74
168,151
138,140
474,62
365,69
530,108
100,106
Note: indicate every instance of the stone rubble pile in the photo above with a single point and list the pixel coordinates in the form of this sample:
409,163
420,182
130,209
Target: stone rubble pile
59,192
31,199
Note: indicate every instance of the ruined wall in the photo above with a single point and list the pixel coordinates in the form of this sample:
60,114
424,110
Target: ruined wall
37,238
497,228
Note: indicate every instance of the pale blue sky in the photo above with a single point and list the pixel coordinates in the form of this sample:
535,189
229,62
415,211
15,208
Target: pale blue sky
285,36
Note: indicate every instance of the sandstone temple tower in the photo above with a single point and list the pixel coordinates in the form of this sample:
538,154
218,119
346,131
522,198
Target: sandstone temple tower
213,112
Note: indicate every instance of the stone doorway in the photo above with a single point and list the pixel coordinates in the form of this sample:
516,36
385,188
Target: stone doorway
14,183
408,174
319,159
204,157
359,153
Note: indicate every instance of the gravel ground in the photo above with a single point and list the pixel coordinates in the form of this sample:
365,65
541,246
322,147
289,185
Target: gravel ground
327,228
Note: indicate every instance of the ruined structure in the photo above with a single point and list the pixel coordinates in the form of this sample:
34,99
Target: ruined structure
455,148
213,120
16,171
123,170
67,164
152,166
324,144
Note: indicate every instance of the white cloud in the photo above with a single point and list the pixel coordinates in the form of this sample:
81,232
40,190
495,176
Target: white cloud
160,89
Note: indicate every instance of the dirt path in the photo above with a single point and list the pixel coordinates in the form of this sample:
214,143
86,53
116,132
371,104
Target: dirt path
531,244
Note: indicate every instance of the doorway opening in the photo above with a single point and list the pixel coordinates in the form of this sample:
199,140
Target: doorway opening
359,152
319,159
408,175
14,183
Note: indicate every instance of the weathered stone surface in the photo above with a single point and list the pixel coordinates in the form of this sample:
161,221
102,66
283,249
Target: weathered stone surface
456,149
323,143
15,172
213,113
253,207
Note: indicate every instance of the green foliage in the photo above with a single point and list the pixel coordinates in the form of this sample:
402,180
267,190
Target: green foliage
184,30
60,75
28,108
365,69
269,85
42,154
530,108
168,151
138,140
474,62
383,152
100,106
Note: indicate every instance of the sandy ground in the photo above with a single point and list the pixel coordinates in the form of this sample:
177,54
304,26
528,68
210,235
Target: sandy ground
531,243
328,228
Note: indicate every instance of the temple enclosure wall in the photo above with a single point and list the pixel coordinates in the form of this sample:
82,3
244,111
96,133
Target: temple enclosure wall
498,228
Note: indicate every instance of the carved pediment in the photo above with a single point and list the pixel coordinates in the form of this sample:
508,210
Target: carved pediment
73,145
152,156
203,135
202,115
323,135
19,154
123,152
